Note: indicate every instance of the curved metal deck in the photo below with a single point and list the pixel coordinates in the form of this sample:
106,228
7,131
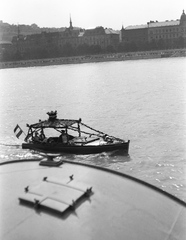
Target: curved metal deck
79,201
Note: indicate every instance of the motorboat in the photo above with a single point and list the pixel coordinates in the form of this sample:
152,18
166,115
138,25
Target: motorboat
69,136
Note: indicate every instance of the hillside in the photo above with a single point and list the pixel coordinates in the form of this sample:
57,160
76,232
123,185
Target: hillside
7,31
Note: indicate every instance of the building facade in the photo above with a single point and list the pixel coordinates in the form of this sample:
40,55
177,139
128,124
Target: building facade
77,41
158,35
68,42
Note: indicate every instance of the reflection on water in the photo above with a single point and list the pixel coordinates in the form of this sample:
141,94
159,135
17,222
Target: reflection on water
143,101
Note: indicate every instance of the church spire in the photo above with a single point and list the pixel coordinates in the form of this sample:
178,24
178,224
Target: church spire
71,27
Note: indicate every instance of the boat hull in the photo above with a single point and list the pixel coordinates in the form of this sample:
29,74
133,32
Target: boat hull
77,149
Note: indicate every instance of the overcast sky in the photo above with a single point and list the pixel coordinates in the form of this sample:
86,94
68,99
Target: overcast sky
89,13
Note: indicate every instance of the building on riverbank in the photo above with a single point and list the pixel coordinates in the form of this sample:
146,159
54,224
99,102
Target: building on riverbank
156,35
73,41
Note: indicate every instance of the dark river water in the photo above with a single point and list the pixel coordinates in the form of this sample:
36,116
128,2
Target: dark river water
143,100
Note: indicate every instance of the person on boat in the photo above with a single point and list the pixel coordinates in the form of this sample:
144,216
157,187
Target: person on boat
39,137
63,137
36,137
42,135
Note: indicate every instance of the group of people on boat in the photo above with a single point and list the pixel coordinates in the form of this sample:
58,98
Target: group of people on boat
39,137
65,138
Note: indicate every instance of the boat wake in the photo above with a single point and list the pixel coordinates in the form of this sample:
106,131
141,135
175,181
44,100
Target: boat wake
11,145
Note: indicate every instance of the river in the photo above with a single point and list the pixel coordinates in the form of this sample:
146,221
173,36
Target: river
140,100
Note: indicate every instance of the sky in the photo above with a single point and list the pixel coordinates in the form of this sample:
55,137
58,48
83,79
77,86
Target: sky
89,13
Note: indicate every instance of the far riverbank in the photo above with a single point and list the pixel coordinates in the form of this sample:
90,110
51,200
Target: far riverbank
95,58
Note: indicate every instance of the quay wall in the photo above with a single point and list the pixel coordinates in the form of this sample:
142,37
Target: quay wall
95,58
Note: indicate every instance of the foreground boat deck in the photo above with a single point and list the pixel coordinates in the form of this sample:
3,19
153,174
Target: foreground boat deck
77,201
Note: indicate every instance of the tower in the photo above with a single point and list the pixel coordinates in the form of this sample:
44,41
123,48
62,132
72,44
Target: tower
183,18
71,27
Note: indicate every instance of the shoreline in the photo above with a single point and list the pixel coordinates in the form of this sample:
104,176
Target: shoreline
95,58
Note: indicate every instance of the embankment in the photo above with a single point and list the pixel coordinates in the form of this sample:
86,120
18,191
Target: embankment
95,58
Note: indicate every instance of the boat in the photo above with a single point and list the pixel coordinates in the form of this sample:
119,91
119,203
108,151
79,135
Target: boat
79,201
69,136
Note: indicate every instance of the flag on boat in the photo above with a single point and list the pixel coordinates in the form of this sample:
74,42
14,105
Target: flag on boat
18,131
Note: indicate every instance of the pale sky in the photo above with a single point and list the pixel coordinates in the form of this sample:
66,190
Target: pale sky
89,13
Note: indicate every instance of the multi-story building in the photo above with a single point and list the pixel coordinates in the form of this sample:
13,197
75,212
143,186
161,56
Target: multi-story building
70,36
63,42
167,34
134,37
101,37
75,41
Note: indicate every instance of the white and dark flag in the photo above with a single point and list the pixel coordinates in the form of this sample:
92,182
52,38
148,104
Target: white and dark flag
18,131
